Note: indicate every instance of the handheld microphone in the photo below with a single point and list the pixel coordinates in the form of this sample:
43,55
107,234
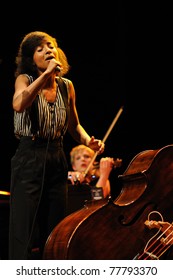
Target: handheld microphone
58,69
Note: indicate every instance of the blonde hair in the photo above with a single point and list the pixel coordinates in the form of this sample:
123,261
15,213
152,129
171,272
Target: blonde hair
78,149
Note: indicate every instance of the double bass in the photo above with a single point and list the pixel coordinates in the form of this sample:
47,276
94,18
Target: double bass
119,229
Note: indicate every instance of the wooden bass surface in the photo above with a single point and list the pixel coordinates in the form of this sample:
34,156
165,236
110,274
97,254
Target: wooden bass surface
117,229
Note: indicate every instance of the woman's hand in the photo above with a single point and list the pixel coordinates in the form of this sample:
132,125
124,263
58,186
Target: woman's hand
75,177
96,145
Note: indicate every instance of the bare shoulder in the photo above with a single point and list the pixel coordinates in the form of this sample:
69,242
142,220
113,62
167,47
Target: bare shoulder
68,82
23,78
70,87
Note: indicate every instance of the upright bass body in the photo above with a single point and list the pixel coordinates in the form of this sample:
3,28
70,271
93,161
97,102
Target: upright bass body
116,229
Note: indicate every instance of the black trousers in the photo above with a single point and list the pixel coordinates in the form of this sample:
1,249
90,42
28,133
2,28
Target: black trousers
38,194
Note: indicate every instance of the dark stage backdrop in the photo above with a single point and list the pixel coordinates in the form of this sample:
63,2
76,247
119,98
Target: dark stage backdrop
119,55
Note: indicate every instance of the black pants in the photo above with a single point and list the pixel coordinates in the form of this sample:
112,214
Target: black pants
38,194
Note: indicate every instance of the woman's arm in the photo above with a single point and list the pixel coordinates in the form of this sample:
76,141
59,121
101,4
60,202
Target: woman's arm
106,165
76,129
25,93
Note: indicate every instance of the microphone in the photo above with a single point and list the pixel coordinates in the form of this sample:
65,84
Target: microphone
58,69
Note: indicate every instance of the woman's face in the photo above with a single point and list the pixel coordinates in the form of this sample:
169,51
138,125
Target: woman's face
81,160
44,53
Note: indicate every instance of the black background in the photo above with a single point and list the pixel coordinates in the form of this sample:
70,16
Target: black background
120,55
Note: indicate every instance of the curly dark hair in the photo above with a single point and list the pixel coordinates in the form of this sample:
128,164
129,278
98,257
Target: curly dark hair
24,58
